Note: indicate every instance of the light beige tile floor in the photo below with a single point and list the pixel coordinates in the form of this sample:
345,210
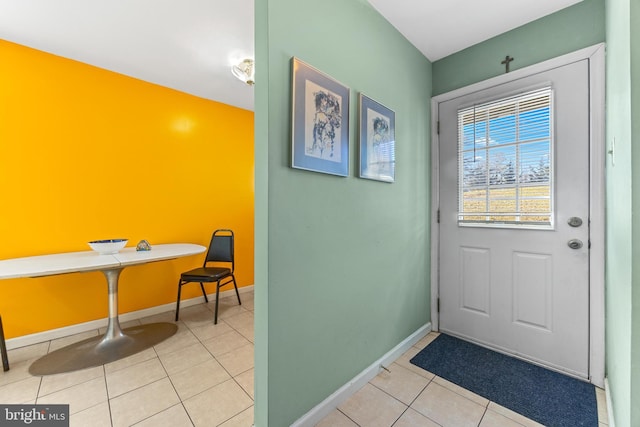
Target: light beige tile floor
407,396
203,376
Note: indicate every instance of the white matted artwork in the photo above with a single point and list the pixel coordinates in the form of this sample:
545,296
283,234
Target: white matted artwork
323,139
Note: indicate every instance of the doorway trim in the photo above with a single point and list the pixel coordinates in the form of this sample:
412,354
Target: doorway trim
596,56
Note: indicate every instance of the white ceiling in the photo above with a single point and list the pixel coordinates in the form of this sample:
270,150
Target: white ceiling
439,28
190,45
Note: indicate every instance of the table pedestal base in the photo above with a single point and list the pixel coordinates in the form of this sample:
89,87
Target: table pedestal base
100,350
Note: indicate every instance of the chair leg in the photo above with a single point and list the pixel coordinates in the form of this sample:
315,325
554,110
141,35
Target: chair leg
215,316
178,300
204,293
3,349
235,286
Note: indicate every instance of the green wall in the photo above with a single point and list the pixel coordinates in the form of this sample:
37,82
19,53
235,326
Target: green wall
565,31
623,205
261,212
342,264
635,143
619,214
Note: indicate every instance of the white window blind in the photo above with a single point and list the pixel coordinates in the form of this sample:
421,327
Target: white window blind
505,162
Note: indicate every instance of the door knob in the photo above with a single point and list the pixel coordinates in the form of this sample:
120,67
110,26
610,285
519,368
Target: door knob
574,243
575,221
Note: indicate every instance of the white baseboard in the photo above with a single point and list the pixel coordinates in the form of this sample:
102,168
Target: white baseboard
607,392
101,323
324,408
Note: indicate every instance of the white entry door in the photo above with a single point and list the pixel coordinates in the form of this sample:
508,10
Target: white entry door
514,217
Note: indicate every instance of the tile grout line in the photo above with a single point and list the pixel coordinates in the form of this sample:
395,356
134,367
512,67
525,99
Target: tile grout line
398,400
462,395
349,418
400,416
483,415
106,389
418,395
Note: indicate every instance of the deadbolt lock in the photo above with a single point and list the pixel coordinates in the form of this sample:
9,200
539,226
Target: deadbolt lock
575,221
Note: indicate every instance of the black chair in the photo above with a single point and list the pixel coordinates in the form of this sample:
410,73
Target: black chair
220,251
3,349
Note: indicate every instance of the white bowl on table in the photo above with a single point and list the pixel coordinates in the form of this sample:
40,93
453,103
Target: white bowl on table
108,246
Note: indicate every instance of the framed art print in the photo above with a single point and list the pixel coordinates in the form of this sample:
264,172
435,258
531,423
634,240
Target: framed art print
377,141
320,121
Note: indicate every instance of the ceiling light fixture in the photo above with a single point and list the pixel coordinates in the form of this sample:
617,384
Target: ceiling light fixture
244,71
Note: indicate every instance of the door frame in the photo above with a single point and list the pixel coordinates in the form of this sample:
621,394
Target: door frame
596,57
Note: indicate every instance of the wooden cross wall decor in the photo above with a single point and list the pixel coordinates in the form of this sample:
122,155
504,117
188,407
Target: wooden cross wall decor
506,62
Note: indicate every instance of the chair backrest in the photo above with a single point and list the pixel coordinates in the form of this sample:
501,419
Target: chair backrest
221,248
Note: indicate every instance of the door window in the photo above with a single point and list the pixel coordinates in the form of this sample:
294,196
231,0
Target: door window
505,162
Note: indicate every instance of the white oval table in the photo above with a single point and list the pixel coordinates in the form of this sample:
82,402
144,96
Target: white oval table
116,343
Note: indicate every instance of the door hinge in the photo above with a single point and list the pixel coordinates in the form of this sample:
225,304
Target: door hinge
438,304
438,217
438,127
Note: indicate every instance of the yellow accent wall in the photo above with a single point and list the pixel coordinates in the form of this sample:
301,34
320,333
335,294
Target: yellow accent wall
90,154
